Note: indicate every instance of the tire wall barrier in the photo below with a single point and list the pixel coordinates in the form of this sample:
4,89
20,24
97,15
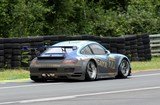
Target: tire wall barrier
13,53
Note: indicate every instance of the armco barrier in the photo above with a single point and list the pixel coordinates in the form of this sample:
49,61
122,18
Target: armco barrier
155,44
13,54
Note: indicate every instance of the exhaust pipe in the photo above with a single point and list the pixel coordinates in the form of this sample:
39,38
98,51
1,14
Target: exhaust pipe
48,75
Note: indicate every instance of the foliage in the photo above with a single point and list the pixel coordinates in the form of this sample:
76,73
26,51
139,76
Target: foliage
99,17
21,17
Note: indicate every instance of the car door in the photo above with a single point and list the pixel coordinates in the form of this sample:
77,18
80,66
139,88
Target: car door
102,58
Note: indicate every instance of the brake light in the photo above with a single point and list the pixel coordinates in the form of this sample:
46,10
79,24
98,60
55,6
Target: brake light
70,61
33,62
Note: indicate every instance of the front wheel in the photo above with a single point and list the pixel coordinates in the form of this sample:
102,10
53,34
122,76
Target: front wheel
124,69
91,71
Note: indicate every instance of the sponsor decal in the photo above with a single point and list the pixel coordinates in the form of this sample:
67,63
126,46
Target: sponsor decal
102,63
111,63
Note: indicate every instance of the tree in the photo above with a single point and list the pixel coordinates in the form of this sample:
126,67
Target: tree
21,17
4,18
99,17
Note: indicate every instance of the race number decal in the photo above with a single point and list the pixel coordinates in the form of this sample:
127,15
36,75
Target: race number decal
102,63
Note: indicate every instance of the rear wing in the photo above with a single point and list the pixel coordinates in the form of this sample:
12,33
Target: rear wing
46,47
39,50
73,47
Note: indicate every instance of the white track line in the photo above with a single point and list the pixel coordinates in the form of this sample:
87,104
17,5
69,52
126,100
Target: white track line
24,86
76,96
146,75
34,85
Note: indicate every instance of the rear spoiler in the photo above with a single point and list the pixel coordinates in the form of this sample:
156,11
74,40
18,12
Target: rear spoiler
46,47
49,58
73,47
39,50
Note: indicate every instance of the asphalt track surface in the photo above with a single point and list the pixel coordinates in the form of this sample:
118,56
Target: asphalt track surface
141,88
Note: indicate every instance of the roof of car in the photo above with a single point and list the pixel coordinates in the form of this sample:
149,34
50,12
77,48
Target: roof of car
78,43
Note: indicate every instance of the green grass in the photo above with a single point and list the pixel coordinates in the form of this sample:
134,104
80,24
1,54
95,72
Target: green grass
146,65
12,74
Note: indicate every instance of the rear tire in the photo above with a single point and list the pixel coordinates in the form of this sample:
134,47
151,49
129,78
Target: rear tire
91,71
124,69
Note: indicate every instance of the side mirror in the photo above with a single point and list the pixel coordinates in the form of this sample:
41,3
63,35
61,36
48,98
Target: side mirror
108,52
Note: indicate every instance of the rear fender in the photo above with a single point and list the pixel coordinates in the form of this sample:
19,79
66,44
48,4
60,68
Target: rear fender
85,62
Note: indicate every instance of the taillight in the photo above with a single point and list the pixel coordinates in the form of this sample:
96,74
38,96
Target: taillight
33,62
70,61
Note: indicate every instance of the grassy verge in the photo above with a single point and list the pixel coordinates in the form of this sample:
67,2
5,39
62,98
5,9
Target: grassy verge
136,66
146,65
12,74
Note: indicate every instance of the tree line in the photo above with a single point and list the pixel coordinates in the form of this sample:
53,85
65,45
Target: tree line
19,18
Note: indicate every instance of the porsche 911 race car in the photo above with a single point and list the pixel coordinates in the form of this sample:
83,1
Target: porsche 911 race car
80,60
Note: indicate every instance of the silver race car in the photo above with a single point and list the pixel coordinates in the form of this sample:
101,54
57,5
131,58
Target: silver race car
80,60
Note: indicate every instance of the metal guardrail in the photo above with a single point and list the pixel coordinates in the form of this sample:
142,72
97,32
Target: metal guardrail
155,44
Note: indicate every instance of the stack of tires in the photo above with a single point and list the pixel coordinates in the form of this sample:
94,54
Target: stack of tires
12,53
86,37
113,45
36,46
1,53
105,42
73,38
60,38
50,40
121,45
131,47
8,52
16,53
47,40
26,52
96,38
144,51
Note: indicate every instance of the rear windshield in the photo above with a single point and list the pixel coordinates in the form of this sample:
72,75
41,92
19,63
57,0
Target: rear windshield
58,50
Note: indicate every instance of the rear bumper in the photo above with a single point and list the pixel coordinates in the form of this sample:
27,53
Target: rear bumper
65,72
